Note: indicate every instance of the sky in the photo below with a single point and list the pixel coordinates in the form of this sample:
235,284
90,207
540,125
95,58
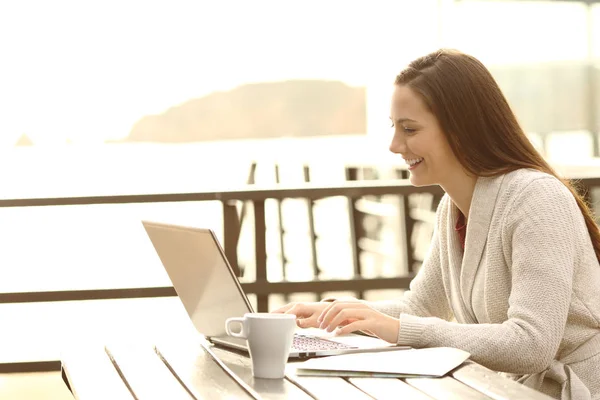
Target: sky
88,70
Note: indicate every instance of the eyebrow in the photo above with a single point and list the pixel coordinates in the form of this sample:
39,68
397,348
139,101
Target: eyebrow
401,120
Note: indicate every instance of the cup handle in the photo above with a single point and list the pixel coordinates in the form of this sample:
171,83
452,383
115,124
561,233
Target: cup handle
242,333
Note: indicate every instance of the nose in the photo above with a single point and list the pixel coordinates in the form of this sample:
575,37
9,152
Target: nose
398,145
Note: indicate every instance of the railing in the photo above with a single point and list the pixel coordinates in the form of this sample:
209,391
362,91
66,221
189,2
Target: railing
231,230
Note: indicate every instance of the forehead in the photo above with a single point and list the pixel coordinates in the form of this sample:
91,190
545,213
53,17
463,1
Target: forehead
406,103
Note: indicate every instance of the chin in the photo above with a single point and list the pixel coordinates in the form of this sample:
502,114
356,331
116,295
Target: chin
419,182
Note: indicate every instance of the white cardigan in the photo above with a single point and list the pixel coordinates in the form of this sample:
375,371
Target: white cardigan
524,298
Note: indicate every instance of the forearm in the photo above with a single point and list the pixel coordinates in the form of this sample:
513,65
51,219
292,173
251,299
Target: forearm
396,307
514,346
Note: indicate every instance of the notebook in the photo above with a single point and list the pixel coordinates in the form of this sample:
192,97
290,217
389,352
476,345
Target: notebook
210,292
429,362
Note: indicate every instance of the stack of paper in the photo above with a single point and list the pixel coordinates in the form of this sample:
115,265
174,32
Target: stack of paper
430,362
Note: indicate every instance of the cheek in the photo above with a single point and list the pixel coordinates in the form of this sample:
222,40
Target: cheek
424,148
416,145
448,154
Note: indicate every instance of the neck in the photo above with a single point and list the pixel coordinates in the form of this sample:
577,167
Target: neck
460,189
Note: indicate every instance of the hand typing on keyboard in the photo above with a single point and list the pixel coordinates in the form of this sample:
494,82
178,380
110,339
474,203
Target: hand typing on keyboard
346,317
307,313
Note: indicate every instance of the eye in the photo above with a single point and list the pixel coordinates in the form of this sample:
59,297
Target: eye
408,130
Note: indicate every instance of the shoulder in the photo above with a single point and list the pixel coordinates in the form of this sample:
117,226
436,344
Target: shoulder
539,197
531,186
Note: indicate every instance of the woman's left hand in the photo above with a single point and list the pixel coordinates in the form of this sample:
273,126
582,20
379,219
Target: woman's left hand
347,317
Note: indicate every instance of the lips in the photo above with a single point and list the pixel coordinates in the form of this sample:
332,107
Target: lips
413,161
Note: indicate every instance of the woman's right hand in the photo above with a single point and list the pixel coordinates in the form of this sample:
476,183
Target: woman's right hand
306,312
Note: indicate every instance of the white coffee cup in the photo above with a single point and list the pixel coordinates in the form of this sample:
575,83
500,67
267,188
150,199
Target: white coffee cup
269,338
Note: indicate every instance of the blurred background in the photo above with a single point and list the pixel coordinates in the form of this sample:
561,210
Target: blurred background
134,97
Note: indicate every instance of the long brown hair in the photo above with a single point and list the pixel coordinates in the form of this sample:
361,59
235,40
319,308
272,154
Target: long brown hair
479,125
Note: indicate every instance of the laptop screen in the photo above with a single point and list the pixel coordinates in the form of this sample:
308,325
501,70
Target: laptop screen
200,274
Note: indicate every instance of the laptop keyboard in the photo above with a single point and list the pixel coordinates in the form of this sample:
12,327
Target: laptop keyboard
312,343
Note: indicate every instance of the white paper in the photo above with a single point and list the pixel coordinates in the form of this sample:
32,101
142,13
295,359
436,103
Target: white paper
434,361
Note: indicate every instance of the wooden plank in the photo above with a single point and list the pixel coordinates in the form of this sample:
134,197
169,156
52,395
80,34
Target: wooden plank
268,389
385,388
354,189
326,387
493,385
231,235
197,370
310,208
93,376
329,285
446,388
145,374
357,232
408,223
260,253
87,294
21,365
249,192
281,232
265,287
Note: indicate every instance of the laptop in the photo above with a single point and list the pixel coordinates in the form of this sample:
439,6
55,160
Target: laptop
210,292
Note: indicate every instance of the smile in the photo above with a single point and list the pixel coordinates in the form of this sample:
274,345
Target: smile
413,163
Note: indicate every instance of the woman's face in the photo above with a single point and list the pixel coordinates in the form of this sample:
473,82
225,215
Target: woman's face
420,141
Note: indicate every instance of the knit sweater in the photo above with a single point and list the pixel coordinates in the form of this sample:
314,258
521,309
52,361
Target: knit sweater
523,298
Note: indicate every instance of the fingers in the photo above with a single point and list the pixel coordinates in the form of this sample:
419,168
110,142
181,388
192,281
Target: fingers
301,310
377,324
328,314
346,315
306,322
334,314
326,311
333,310
306,313
350,317
283,309
305,318
331,304
298,309
358,325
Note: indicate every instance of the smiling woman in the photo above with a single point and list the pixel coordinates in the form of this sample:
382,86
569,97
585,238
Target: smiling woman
509,234
418,138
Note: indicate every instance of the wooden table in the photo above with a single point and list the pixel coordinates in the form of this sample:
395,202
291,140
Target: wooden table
194,369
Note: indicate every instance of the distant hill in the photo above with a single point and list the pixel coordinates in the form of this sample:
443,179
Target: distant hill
262,110
24,140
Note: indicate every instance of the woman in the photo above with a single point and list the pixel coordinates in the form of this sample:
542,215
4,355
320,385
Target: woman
512,274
